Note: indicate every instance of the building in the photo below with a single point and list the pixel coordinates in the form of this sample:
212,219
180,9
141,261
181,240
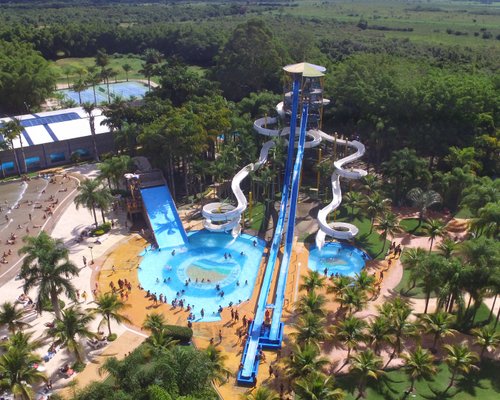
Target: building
55,138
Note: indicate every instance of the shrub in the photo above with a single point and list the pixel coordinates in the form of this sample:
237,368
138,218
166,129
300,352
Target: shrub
101,229
112,337
181,333
79,366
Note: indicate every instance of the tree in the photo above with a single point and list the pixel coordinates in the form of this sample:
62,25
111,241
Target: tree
447,247
459,360
418,366
309,328
434,228
317,386
11,316
352,199
89,109
312,303
353,298
90,196
477,195
79,86
127,68
18,374
71,328
438,325
27,78
371,184
487,221
365,282
262,393
12,130
339,285
350,332
114,168
373,206
47,267
111,308
366,365
379,333
422,200
304,361
154,322
404,170
389,225
250,61
218,360
22,341
411,259
312,281
486,337
93,78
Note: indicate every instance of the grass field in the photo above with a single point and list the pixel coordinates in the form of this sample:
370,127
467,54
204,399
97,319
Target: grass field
404,284
71,68
409,225
484,385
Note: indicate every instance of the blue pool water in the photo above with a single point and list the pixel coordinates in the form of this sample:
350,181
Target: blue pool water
338,258
124,90
203,258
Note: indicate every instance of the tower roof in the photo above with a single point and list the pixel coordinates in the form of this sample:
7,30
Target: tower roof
305,69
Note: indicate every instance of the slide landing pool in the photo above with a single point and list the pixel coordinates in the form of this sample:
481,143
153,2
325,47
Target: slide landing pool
207,260
338,258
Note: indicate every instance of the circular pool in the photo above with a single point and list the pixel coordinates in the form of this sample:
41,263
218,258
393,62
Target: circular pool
214,270
337,258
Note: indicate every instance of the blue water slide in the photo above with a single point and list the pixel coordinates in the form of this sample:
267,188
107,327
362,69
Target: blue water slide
246,375
276,331
163,217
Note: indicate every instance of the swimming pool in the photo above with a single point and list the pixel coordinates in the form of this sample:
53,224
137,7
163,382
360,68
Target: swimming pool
337,258
124,90
210,260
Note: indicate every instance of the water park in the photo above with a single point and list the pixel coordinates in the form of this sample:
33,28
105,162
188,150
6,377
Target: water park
318,288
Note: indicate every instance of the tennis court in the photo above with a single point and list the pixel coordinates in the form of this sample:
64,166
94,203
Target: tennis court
125,90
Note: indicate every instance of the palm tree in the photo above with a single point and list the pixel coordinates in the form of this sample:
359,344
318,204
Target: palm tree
93,79
104,200
79,86
317,386
313,280
379,333
438,325
312,303
262,393
47,267
353,200
434,228
154,322
353,298
12,130
370,183
18,374
71,328
89,109
366,365
373,206
309,328
22,341
419,364
350,332
389,225
411,259
148,71
89,195
11,316
459,360
487,221
486,337
365,282
422,201
339,285
304,361
114,168
110,307
217,361
447,247
127,68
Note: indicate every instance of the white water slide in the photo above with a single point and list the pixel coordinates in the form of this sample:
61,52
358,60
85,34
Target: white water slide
223,217
339,230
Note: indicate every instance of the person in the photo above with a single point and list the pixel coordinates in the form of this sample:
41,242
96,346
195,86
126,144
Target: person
202,312
271,371
173,252
84,296
254,243
220,336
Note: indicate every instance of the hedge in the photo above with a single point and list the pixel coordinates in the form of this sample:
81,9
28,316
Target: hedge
181,333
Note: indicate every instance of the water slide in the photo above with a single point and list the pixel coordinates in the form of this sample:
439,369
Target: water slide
339,230
163,217
246,375
220,217
276,331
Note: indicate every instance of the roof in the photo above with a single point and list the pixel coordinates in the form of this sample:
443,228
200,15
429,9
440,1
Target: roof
306,69
55,126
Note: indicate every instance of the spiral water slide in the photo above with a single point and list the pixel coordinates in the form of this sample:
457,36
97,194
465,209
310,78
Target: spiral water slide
225,217
339,230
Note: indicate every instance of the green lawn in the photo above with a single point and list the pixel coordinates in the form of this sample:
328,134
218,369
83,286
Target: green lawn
409,225
370,242
463,213
402,287
483,385
482,316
